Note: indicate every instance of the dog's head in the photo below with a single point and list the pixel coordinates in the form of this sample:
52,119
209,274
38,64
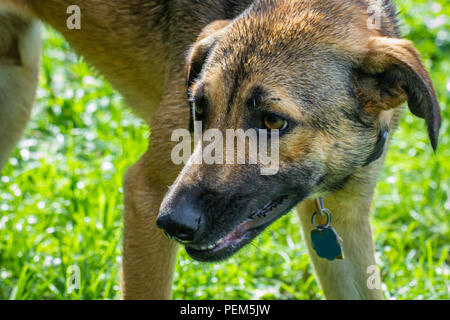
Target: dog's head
313,74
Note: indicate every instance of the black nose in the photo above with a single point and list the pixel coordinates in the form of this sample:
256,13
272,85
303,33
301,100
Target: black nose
181,224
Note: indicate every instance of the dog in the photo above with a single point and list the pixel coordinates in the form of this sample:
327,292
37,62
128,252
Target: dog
317,72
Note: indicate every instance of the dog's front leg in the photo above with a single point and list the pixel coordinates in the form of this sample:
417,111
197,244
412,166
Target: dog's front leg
148,255
349,278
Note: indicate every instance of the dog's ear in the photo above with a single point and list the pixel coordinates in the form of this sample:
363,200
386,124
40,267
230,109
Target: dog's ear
391,73
199,51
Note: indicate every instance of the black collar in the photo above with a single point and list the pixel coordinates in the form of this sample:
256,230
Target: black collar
379,147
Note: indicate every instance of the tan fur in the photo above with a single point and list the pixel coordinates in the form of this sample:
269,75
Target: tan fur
19,59
141,48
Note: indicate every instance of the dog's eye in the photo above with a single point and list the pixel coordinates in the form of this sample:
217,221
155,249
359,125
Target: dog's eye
198,108
274,122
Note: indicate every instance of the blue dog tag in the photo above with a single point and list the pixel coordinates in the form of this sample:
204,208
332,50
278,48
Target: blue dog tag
327,243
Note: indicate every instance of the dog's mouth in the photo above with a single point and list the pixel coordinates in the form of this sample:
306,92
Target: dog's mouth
245,231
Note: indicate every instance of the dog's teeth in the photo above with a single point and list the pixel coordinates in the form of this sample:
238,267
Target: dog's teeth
209,247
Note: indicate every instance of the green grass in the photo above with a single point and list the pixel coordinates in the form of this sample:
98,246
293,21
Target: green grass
61,195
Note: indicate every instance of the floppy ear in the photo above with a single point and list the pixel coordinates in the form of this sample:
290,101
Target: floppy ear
199,51
392,73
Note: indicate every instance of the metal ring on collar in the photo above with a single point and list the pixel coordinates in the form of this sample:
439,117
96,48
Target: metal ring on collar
323,226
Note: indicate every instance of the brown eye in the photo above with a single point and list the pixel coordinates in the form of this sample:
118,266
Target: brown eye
198,109
273,122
